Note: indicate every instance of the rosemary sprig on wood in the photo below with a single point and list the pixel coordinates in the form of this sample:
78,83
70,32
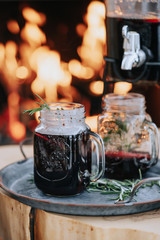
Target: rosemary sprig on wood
42,106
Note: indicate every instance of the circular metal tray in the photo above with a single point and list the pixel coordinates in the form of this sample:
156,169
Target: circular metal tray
17,180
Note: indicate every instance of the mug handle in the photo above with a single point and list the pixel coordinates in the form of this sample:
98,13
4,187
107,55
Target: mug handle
154,140
98,141
21,145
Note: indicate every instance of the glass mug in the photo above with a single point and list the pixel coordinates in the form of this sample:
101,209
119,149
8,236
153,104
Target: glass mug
62,150
131,139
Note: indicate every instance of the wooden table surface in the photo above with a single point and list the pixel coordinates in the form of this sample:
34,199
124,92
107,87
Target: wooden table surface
21,222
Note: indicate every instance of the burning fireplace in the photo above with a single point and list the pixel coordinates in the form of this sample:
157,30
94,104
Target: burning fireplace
55,50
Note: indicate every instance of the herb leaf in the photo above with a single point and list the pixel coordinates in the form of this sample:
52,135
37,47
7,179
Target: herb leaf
117,129
42,106
46,104
121,125
120,190
106,139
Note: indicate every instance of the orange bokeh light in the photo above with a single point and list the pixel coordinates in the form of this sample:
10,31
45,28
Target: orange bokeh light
13,26
33,16
96,87
17,131
77,69
31,61
33,34
122,87
22,72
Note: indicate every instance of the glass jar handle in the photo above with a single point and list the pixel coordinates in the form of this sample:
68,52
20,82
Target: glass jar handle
154,140
100,156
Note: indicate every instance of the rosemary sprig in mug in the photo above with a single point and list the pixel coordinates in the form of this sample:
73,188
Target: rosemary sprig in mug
42,106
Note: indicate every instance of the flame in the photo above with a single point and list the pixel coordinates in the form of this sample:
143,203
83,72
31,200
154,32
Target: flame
10,64
51,72
25,52
31,15
80,29
49,67
22,72
2,55
35,55
66,79
17,131
97,8
11,49
33,63
77,69
13,99
94,39
122,87
38,87
16,128
91,57
33,35
13,26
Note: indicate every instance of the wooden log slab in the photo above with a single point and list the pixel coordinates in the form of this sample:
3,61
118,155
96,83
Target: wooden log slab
14,219
60,227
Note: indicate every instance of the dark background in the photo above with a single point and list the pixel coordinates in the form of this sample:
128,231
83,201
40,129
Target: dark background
62,18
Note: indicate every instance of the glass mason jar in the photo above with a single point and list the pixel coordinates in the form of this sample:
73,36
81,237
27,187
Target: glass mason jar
140,9
130,138
62,150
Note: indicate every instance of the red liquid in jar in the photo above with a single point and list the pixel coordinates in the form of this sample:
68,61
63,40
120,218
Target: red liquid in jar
125,165
58,164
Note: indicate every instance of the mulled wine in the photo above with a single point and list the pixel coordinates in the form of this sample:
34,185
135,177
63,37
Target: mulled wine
126,165
62,150
60,161
127,130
